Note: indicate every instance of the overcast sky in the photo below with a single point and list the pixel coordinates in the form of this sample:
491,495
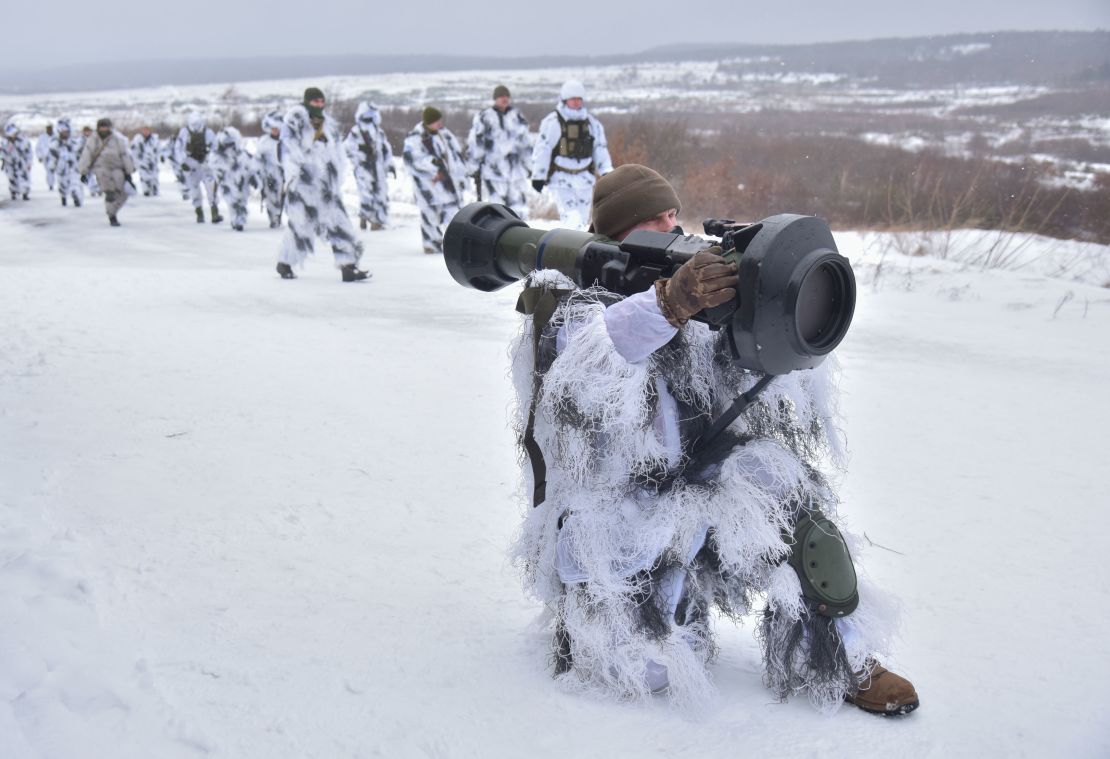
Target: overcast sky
38,34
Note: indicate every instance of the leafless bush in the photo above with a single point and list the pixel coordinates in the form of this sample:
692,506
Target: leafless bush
750,175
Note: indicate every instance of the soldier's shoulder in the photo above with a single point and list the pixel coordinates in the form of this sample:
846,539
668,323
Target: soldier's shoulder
297,115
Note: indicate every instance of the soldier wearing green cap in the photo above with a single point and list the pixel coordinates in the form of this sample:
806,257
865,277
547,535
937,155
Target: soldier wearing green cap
498,152
637,540
434,159
313,165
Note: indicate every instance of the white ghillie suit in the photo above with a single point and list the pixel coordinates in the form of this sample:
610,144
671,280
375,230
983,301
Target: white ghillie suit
195,143
18,156
499,150
146,151
632,567
569,160
168,152
314,166
42,152
64,154
371,156
269,175
438,176
234,168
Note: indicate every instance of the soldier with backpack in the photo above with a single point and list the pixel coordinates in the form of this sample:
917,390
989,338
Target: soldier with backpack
570,153
194,143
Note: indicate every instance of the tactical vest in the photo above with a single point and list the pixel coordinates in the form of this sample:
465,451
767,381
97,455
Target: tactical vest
197,148
575,141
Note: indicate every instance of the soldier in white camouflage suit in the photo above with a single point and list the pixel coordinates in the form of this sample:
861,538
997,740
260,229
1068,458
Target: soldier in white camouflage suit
194,143
312,156
570,153
18,156
372,158
42,152
91,183
234,169
64,155
145,149
269,176
433,157
498,152
168,152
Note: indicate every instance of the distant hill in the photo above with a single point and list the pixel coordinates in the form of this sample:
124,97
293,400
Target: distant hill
1047,58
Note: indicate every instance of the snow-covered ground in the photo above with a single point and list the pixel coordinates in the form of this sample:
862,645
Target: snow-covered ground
247,517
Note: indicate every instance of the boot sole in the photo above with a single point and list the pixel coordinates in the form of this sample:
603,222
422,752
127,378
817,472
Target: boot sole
898,712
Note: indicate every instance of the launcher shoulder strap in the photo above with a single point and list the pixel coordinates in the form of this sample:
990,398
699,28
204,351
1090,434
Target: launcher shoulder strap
539,303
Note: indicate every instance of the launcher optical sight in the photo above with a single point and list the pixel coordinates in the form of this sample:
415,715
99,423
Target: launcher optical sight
794,303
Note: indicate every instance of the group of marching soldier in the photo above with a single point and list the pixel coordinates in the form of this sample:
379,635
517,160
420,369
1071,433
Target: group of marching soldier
299,163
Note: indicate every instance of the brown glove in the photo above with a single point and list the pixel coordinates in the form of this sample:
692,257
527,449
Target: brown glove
704,281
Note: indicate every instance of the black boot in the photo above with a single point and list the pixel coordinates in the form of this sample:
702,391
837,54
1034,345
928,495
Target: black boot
216,218
361,223
63,200
237,227
200,216
76,201
286,271
113,221
352,274
26,196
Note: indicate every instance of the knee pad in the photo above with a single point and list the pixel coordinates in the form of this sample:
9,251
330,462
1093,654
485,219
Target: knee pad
820,557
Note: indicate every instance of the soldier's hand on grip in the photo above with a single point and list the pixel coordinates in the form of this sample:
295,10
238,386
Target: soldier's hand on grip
706,280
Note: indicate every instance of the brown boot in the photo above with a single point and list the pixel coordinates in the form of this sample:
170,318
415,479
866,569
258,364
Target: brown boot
883,692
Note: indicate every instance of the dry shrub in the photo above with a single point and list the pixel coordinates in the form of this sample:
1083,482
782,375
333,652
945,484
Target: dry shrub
751,174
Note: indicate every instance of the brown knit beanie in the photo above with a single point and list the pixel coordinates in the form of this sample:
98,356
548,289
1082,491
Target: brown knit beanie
630,194
432,115
500,91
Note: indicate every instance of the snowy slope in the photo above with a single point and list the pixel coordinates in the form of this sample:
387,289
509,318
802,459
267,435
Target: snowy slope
244,517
